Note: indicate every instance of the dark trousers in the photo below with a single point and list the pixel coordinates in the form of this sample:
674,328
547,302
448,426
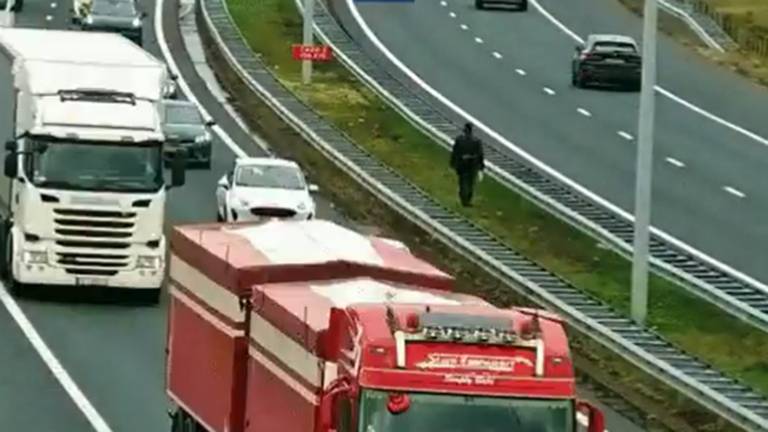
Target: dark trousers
466,186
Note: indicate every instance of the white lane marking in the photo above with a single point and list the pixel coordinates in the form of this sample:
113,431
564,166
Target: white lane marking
625,135
53,5
719,120
734,191
452,14
535,162
94,418
675,162
464,27
478,40
160,32
583,112
443,3
497,54
48,17
520,72
549,91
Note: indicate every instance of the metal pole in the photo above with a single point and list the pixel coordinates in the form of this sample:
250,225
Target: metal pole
644,166
306,65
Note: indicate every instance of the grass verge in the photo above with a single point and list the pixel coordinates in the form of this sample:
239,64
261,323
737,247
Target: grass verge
270,27
750,17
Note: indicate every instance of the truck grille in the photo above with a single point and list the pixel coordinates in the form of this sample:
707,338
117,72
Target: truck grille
93,242
273,212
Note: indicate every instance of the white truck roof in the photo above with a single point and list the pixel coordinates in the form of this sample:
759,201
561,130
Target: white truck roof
52,60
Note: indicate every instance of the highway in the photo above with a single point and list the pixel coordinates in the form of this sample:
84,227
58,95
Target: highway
512,71
114,353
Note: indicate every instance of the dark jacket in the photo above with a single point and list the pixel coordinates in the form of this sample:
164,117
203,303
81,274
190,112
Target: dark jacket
467,154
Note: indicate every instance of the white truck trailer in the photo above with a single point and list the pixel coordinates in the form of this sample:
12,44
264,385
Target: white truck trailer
84,190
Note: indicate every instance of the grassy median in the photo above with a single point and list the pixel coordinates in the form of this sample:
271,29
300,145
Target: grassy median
271,26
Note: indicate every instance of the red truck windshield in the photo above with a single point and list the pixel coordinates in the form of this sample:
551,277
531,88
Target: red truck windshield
457,413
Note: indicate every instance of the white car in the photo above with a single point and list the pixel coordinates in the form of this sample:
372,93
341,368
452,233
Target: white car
261,188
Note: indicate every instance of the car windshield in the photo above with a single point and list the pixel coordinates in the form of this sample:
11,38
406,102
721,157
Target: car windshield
120,8
97,166
270,176
613,47
460,413
182,114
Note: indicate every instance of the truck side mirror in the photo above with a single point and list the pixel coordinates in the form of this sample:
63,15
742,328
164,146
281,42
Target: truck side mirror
596,420
178,168
224,183
11,165
339,387
314,188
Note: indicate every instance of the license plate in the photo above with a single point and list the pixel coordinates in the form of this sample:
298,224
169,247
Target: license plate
610,60
91,281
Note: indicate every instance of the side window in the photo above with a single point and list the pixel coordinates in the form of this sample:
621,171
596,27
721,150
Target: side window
343,415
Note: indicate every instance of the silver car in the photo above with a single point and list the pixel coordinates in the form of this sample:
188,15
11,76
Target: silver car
185,129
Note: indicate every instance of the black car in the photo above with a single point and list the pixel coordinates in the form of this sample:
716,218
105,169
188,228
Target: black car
116,16
607,59
520,4
185,129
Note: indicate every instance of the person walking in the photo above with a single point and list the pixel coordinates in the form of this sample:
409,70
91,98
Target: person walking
467,160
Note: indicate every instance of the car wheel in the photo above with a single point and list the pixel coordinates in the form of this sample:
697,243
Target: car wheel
479,4
524,6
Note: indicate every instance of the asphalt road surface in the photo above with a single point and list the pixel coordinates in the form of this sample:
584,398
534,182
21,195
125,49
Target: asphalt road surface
511,70
115,353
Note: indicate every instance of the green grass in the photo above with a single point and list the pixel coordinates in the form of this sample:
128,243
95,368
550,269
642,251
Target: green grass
271,26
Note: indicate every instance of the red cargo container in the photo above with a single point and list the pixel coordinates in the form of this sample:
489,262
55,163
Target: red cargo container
308,327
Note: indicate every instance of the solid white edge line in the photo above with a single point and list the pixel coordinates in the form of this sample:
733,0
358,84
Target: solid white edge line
546,168
661,90
452,14
464,27
59,373
163,44
675,162
584,112
734,191
497,54
478,40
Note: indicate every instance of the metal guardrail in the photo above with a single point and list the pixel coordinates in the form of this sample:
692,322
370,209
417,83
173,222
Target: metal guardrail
638,345
735,293
702,24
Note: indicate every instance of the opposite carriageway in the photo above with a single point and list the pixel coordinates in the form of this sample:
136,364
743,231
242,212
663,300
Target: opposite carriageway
640,346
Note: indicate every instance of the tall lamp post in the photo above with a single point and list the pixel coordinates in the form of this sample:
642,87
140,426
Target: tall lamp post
644,182
309,14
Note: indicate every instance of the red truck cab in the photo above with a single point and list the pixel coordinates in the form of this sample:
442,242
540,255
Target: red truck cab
311,327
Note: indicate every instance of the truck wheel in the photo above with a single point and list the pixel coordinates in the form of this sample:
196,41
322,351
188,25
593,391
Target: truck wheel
10,282
479,4
151,296
524,6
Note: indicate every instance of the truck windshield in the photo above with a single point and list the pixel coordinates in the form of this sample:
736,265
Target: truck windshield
459,413
97,166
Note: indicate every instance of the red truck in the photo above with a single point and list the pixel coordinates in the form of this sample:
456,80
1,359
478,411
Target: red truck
311,327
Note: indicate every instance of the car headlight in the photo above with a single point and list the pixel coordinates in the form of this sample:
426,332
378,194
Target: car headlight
89,20
302,207
148,262
136,22
35,257
204,138
243,202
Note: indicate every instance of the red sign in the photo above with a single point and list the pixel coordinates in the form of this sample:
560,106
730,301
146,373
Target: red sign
312,52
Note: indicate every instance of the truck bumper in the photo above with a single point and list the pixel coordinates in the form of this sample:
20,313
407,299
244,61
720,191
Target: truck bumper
43,263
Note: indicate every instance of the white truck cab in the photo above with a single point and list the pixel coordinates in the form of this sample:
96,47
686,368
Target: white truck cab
84,190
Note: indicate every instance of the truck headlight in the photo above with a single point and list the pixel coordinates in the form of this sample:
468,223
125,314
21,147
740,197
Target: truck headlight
35,257
136,22
148,262
88,20
243,202
201,139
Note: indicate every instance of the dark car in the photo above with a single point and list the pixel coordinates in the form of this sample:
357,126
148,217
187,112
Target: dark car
116,16
607,59
185,128
520,4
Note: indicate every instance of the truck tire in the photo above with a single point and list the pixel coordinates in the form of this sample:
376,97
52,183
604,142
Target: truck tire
151,296
479,4
524,6
13,286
